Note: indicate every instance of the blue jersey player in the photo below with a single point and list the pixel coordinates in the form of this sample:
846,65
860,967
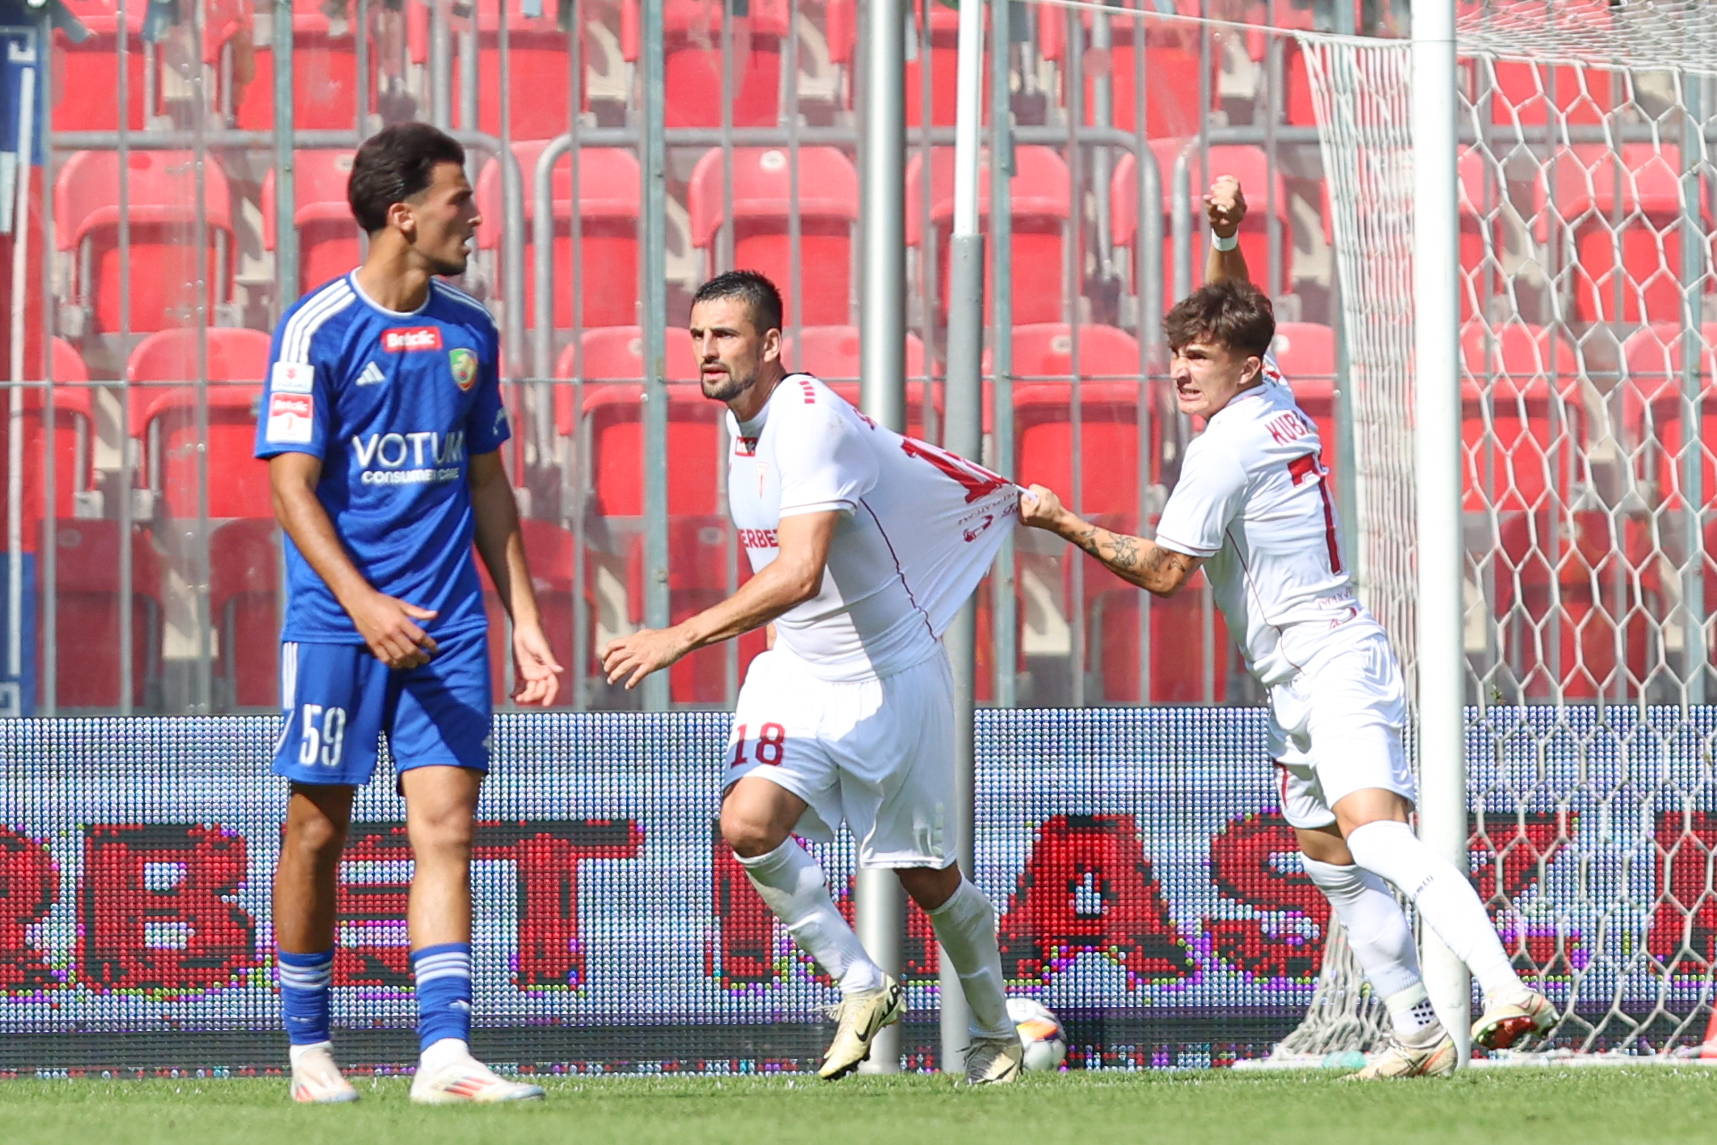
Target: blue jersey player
382,423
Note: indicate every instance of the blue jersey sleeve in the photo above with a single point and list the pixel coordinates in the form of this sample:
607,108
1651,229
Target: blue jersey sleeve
297,409
486,425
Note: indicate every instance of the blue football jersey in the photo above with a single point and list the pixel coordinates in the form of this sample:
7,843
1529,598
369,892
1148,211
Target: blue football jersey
395,405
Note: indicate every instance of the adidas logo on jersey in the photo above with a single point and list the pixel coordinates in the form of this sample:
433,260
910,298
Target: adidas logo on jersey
372,375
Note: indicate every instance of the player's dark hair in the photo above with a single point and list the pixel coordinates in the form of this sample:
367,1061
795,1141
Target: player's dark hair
756,291
395,164
1233,314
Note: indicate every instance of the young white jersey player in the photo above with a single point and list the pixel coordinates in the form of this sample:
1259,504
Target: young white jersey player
863,545
1252,508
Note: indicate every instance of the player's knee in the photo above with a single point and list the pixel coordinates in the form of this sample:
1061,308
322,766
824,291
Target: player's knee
749,835
929,887
450,832
315,838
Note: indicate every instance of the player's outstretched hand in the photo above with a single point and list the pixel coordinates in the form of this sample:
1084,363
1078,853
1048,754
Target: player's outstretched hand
1225,205
534,668
647,650
1040,508
389,626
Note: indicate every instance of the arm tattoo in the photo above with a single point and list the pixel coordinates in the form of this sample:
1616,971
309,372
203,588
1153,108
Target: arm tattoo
1146,565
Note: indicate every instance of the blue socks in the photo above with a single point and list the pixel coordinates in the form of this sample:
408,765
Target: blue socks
304,981
443,976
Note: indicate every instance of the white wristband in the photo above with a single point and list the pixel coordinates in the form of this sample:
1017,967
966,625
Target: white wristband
1221,243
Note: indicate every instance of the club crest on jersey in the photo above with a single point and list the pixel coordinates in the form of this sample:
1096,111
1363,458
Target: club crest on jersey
464,364
406,339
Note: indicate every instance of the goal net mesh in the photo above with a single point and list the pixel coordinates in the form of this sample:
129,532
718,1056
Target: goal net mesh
1588,328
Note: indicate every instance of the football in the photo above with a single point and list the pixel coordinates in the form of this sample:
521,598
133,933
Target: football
1040,1033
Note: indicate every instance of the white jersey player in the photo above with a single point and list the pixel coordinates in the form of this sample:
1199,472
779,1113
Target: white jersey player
863,546
1252,508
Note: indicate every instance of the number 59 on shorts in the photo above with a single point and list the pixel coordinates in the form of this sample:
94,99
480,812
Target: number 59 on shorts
323,735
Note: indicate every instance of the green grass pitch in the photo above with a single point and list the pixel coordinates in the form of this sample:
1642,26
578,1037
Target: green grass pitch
1607,1106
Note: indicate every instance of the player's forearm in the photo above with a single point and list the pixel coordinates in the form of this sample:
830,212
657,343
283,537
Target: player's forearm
1225,266
502,547
306,521
1135,560
772,592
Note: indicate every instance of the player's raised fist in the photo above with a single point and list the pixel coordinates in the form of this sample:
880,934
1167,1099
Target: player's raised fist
1225,205
1039,507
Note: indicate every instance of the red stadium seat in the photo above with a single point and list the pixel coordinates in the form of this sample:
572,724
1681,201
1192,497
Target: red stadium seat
328,236
1305,353
1484,195
831,353
1041,216
1522,420
1628,271
1555,574
699,551
608,204
86,75
1299,108
614,354
167,253
692,34
1532,95
87,617
763,202
1178,626
1173,66
165,418
549,553
1654,415
73,446
1248,164
942,59
1111,397
324,75
612,418
539,68
245,595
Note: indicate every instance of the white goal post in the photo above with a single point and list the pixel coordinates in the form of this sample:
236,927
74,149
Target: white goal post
1580,233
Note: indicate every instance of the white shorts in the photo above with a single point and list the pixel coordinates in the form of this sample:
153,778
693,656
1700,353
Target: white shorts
877,753
1337,727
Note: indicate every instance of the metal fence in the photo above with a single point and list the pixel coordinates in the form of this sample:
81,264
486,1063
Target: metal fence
193,186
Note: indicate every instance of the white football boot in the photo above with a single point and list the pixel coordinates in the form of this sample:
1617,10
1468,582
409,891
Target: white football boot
861,1016
316,1080
1510,1017
1438,1059
994,1061
456,1078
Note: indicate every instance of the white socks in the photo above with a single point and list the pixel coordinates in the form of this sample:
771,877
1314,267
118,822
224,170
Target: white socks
966,927
1441,894
443,1052
1376,929
792,885
1380,938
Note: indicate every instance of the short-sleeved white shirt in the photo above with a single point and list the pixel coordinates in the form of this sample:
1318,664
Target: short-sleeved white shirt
919,528
1253,500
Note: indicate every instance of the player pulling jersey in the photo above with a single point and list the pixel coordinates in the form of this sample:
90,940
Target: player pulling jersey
919,529
395,405
1253,500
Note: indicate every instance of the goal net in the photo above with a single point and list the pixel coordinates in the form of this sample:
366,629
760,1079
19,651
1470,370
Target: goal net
1588,329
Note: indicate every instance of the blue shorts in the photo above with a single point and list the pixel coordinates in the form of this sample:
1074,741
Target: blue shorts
338,698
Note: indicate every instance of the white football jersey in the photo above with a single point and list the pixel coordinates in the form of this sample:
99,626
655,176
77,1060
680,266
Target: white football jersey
1252,499
919,528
